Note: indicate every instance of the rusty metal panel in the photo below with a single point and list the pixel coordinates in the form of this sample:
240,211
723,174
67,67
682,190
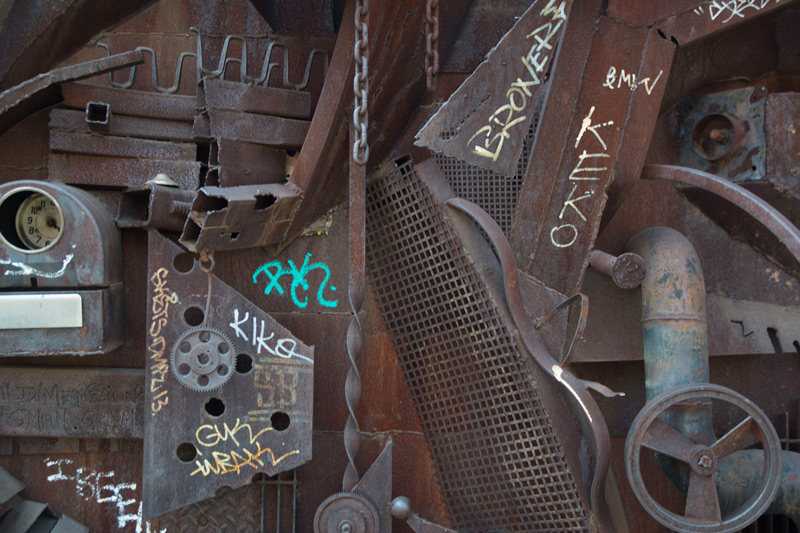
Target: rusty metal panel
562,201
485,121
783,143
233,96
232,218
255,128
239,382
64,402
709,17
69,120
105,145
242,163
116,172
130,102
17,102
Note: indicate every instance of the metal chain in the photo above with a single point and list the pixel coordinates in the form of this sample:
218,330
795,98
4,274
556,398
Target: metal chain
360,85
431,43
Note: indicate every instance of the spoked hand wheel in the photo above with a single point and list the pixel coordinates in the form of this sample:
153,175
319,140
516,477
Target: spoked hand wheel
702,511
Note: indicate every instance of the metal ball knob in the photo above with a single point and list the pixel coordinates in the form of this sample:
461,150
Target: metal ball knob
401,508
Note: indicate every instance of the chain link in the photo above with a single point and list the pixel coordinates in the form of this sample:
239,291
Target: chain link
431,43
360,85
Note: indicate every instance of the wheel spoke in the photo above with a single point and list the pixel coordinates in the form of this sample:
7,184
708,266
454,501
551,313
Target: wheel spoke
663,438
744,435
701,500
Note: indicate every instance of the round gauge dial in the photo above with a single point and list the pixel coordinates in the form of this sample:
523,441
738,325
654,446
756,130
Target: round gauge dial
39,221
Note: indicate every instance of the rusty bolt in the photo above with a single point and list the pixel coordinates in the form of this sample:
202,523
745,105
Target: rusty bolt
181,209
704,462
627,270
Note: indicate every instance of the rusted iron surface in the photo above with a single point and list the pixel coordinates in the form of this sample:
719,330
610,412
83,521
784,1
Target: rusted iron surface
88,144
255,128
321,167
708,18
485,124
259,422
262,61
232,218
130,102
233,96
233,163
121,173
783,143
28,43
85,403
38,93
778,224
561,205
723,134
67,120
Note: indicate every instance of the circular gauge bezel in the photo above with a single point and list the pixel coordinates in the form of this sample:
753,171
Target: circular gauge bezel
18,205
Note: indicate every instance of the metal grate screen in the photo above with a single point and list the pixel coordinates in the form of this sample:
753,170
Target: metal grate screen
500,465
497,194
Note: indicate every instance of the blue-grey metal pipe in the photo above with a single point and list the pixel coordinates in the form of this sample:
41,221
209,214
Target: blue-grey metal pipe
676,353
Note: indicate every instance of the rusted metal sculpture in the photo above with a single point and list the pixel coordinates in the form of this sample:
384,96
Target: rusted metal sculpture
223,149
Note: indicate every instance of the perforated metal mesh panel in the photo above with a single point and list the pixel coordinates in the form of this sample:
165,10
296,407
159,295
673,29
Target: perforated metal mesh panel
500,465
498,195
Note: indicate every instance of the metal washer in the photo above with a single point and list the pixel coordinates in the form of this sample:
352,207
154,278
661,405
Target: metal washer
202,359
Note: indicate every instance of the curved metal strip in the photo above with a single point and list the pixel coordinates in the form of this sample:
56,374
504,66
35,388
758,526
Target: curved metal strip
762,211
592,421
32,94
580,326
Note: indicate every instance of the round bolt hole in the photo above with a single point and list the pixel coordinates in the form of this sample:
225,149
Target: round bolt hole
183,262
223,370
186,452
223,348
244,363
184,369
202,358
185,347
194,316
280,421
215,407
202,380
204,336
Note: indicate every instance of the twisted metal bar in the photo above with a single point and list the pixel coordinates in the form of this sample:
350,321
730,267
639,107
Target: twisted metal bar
355,332
356,221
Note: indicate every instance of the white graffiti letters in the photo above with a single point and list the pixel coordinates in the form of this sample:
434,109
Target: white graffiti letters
490,138
90,486
283,348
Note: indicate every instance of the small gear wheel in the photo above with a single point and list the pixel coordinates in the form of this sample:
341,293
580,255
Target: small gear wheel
202,359
346,512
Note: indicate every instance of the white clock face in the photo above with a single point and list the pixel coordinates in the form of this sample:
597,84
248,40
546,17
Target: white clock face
39,221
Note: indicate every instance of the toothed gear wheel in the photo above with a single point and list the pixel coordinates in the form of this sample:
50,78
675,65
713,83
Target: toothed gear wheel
202,359
346,512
